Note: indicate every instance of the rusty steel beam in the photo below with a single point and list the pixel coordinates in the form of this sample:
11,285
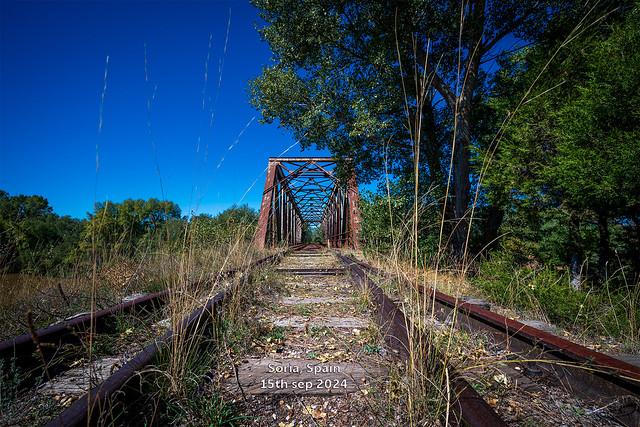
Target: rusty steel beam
302,159
354,212
265,208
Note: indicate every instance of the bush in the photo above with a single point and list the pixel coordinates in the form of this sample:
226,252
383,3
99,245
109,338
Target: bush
546,290
237,221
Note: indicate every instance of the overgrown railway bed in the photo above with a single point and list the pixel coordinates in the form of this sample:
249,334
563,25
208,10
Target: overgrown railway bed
338,345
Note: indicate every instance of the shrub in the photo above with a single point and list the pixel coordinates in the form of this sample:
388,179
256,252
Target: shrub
546,290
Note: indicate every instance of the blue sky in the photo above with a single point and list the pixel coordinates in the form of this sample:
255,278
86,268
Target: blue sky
52,65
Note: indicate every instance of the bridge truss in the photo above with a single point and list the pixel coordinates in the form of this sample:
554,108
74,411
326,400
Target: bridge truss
304,193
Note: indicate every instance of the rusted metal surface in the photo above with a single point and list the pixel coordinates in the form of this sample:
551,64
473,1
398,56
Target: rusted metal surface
561,347
20,351
266,206
306,192
99,401
586,373
353,198
63,332
468,408
581,370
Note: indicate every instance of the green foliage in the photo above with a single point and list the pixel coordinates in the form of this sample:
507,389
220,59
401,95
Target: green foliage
277,333
209,411
374,80
387,216
566,166
312,234
10,379
337,81
233,223
120,228
32,238
372,349
546,290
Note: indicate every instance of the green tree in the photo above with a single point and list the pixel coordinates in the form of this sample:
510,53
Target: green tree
231,224
573,148
347,76
118,228
33,238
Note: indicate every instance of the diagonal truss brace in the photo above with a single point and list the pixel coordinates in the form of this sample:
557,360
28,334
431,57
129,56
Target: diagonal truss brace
305,192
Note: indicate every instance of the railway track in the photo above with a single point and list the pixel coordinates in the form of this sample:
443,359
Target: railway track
590,374
44,354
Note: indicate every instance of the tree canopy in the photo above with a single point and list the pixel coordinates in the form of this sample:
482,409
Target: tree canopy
120,227
571,152
34,239
394,80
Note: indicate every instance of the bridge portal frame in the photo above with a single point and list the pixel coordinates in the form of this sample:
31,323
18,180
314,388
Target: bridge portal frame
301,191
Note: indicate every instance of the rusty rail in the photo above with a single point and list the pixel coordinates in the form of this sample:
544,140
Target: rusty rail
468,407
585,372
20,351
100,399
89,408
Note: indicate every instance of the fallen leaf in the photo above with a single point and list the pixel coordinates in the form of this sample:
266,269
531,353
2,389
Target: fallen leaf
318,414
501,379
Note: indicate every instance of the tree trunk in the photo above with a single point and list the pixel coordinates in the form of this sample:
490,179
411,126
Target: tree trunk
464,131
576,271
495,215
432,147
576,252
603,245
635,251
461,105
461,186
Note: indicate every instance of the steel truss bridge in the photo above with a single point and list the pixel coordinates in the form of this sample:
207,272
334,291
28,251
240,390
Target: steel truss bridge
302,192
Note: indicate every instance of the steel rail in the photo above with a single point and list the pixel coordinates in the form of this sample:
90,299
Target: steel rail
99,401
21,351
468,408
585,372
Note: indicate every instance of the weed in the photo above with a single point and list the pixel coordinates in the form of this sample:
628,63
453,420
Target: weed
237,335
372,349
316,331
10,378
276,334
480,387
363,300
303,310
211,411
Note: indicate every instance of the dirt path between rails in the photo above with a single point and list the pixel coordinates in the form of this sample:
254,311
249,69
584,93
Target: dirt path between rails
323,362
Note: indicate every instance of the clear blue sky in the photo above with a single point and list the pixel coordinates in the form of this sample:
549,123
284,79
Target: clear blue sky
52,64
